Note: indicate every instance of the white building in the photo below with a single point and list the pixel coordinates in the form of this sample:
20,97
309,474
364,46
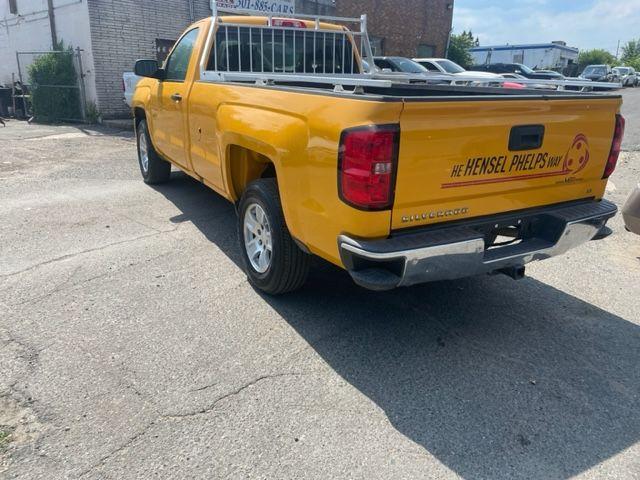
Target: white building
541,56
25,26
111,33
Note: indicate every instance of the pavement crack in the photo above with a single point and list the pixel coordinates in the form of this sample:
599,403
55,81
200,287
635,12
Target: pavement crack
82,252
66,286
206,387
163,417
30,353
232,393
116,450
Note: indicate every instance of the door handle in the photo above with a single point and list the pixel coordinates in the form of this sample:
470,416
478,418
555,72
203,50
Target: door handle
176,97
526,137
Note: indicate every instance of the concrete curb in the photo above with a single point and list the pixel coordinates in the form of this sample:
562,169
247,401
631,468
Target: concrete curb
120,124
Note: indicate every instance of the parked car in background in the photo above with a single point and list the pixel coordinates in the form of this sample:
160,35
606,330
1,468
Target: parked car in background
520,69
129,82
627,75
401,69
517,76
549,72
599,73
443,65
631,212
399,65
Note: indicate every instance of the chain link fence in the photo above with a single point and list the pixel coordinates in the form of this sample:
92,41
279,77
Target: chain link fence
51,85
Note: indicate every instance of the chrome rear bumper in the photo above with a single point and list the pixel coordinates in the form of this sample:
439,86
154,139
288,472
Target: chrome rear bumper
464,250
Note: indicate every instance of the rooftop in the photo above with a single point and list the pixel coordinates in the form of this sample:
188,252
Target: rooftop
530,46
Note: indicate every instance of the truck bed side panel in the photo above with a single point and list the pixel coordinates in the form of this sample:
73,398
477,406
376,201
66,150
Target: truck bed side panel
300,133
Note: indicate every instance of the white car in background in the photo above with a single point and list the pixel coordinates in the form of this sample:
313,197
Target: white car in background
628,76
129,82
446,66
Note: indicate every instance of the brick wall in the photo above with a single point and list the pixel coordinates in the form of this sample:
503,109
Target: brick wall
123,31
316,7
404,24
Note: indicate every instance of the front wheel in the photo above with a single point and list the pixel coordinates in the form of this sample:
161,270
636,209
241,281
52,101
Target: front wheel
273,261
153,168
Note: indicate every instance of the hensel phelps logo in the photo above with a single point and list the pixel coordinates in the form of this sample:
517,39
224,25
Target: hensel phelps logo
536,165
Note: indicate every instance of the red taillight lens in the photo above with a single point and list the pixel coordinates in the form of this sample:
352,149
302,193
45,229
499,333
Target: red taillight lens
367,165
616,146
284,22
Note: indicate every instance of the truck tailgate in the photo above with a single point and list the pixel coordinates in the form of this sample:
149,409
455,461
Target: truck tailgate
469,158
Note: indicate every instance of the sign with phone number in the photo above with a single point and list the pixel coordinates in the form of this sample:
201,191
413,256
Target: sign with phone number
271,6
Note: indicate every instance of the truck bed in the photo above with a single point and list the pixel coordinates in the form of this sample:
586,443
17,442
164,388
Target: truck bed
424,92
455,158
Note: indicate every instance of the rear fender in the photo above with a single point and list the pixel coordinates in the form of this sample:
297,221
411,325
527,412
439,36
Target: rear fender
281,138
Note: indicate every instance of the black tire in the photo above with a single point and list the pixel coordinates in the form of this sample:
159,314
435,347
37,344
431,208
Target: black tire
157,169
289,265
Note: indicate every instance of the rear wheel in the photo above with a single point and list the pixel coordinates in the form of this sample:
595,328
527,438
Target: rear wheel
273,261
154,169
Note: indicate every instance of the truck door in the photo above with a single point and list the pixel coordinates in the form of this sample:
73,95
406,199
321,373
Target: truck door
169,132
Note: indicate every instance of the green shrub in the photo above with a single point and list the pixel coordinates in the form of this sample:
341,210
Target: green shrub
50,75
460,49
596,56
633,62
93,113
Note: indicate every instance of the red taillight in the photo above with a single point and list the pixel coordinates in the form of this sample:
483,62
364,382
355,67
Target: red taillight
616,146
367,164
285,22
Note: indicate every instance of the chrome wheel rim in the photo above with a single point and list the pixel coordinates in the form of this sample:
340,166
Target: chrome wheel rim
257,238
144,151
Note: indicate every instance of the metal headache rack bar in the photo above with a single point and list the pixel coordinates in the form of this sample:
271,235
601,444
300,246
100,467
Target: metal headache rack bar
560,84
288,49
299,48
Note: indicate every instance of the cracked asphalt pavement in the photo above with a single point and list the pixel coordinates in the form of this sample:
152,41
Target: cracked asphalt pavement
132,346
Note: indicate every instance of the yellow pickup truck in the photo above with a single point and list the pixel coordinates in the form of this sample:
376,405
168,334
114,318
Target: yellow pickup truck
398,182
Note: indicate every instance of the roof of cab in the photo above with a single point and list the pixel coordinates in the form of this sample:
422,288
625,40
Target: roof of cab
252,20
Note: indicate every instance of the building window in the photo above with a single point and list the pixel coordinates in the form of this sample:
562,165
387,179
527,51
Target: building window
13,7
426,51
377,45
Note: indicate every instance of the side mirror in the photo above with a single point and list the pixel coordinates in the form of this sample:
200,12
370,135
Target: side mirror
148,68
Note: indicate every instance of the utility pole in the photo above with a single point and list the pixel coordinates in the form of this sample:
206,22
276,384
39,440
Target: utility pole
446,48
618,50
52,24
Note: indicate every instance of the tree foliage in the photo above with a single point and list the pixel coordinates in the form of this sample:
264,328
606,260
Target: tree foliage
631,54
633,62
631,51
596,57
459,48
50,76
